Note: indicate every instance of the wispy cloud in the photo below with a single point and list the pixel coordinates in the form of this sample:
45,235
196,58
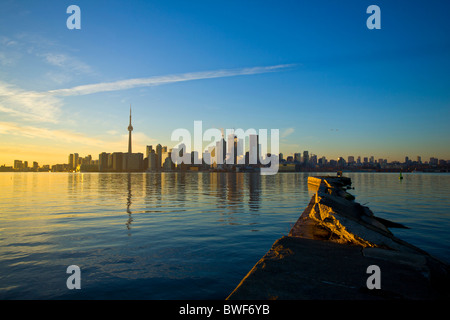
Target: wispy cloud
67,63
140,139
160,80
44,133
45,106
287,132
29,105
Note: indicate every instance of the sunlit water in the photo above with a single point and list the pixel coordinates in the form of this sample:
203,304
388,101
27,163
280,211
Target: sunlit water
178,236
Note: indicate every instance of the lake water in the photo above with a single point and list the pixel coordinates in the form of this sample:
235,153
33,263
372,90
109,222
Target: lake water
178,236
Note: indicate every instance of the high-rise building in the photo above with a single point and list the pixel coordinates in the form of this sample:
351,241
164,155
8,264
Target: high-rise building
232,149
212,157
76,159
71,161
207,160
341,161
18,164
313,159
148,150
419,159
103,161
167,161
195,159
152,161
351,160
298,157
253,149
158,156
87,160
305,157
133,162
117,161
221,151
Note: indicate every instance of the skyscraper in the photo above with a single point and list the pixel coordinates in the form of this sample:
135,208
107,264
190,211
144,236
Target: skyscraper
221,151
152,160
305,157
232,152
253,148
158,156
18,164
103,161
148,150
75,160
71,161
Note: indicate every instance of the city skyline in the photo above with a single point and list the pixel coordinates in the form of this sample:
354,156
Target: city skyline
312,70
296,157
228,149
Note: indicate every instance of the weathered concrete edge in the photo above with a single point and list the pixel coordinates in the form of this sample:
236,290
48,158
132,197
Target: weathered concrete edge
428,277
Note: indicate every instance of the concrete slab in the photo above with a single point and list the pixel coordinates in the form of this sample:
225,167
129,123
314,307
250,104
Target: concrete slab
304,269
329,249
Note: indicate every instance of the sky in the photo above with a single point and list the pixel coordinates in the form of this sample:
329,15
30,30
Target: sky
311,69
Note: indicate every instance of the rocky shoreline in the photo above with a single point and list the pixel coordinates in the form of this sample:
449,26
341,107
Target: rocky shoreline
330,252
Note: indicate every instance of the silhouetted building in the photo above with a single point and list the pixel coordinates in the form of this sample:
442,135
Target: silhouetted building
148,150
305,158
117,161
133,162
158,156
351,160
103,162
221,152
18,164
152,160
253,140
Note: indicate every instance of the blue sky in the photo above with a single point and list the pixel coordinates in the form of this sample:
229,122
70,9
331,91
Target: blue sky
310,69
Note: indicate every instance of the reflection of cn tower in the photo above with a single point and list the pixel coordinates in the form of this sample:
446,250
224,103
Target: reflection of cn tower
130,219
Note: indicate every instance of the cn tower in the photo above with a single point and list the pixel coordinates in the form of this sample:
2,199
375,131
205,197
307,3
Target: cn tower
130,128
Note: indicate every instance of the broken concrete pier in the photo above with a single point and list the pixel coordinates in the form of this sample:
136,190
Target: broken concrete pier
328,251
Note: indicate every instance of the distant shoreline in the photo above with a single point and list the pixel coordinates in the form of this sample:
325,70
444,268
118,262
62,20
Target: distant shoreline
231,172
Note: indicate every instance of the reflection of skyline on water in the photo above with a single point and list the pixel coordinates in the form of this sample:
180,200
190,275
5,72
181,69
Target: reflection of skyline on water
130,219
224,193
229,197
186,235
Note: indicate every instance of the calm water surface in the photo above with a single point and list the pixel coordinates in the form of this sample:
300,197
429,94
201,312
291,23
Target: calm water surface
178,236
